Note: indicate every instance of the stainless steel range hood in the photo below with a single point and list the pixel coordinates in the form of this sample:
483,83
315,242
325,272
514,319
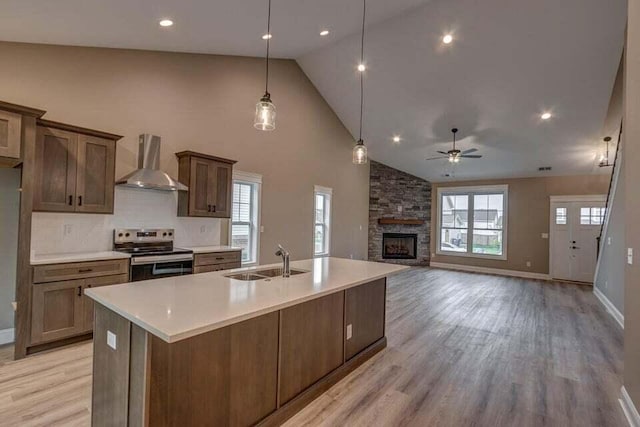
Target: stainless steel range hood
148,175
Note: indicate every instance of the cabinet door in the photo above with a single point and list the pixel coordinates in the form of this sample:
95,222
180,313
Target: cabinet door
56,310
55,170
364,316
311,343
201,187
87,303
96,174
10,134
223,179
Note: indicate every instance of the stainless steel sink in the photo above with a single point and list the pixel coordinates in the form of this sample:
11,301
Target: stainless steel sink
275,272
262,274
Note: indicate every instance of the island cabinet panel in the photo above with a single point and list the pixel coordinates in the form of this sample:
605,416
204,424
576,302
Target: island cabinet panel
227,377
311,343
364,316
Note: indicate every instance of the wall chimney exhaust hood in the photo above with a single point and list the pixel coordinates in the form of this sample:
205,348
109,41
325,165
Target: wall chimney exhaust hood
148,175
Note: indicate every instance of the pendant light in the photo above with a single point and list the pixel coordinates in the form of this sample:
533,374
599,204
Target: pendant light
360,151
265,118
604,158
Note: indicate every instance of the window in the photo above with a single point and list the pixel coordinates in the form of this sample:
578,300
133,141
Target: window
561,216
322,221
245,223
472,221
592,216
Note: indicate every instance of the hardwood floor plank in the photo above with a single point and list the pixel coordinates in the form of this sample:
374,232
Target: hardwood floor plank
463,349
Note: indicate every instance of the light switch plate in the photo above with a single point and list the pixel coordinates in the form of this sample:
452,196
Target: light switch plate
608,240
630,256
545,235
111,340
349,331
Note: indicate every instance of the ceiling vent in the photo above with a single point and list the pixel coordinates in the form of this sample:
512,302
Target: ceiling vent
544,168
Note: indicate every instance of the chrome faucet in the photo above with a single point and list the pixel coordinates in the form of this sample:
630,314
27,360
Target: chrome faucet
286,270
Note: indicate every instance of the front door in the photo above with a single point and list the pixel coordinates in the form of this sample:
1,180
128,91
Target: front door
575,227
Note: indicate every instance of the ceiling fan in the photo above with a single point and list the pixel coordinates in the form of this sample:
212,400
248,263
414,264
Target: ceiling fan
455,155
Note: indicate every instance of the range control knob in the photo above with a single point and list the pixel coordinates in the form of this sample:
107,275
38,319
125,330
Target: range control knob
170,234
164,234
127,235
119,234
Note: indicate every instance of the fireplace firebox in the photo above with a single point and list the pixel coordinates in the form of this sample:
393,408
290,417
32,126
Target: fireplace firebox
399,246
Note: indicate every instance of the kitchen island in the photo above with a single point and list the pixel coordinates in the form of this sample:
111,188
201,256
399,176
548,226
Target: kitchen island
211,350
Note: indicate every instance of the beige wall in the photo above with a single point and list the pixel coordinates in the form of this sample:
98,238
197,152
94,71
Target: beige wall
632,205
206,103
528,218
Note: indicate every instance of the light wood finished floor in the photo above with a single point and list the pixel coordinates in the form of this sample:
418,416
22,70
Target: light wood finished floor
464,350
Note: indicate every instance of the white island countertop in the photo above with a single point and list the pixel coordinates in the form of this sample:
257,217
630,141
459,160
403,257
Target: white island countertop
175,308
63,258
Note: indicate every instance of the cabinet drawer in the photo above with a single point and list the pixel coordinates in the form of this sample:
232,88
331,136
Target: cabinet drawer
217,258
79,270
216,267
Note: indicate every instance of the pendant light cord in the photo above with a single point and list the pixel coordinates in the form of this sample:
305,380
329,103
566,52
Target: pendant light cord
364,13
266,85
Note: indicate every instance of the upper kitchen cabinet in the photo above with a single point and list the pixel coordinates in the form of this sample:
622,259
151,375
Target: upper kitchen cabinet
74,169
209,179
12,125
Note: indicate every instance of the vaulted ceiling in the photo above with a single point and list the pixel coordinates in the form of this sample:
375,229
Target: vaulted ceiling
509,62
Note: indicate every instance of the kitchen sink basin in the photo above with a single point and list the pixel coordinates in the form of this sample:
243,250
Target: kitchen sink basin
262,274
275,272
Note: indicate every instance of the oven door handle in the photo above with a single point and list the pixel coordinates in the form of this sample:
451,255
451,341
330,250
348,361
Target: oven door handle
162,271
160,259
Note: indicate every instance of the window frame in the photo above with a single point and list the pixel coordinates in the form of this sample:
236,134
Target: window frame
472,191
255,180
327,193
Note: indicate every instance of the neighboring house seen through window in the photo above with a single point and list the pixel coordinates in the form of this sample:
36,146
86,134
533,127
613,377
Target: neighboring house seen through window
471,221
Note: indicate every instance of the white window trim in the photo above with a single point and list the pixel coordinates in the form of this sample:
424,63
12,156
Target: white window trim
252,178
329,193
474,189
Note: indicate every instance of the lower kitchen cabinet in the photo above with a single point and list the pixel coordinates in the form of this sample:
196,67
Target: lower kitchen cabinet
56,310
59,308
364,316
216,261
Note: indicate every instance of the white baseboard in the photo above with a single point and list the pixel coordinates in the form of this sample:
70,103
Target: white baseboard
498,271
6,336
613,311
629,408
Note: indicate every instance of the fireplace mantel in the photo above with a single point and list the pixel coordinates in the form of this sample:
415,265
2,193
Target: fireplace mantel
408,221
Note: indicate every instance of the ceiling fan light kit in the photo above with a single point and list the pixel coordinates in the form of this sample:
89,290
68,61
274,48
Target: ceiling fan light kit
455,155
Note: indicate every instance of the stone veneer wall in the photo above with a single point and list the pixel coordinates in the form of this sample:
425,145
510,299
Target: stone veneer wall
388,189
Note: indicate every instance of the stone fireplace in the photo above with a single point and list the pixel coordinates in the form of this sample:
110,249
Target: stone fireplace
399,246
399,217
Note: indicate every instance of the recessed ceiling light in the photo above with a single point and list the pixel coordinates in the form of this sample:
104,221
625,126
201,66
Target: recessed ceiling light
166,23
545,116
324,33
361,67
448,38
396,139
267,36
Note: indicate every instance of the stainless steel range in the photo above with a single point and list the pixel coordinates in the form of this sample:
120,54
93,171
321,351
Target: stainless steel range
152,253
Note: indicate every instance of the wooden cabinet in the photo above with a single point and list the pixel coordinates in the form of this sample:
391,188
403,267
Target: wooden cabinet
216,261
59,307
74,169
10,134
209,179
364,316
311,343
56,310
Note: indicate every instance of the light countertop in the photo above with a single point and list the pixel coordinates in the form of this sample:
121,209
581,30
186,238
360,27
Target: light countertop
77,257
175,308
209,249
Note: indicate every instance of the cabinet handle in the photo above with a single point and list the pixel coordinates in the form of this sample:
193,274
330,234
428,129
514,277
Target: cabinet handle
79,200
70,200
85,270
219,258
79,291
214,208
208,208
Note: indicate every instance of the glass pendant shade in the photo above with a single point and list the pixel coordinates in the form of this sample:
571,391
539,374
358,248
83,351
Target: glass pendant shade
360,153
265,114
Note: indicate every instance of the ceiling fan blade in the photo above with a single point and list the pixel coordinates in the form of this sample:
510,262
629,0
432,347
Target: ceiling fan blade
469,151
471,156
442,152
436,158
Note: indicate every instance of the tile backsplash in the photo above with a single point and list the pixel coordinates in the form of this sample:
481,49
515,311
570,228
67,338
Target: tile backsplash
134,208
